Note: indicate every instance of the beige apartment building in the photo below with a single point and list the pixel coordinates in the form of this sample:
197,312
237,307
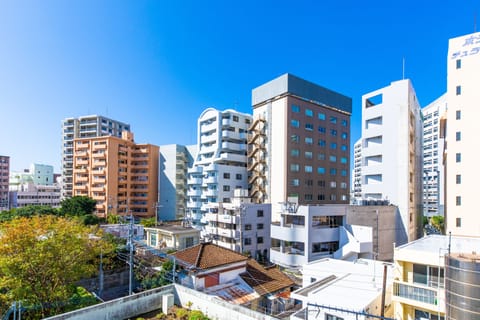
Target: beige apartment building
121,175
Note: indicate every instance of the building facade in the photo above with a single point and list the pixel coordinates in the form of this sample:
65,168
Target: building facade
299,144
436,277
220,164
461,156
27,194
175,160
357,173
38,174
307,233
433,170
4,181
240,226
83,127
392,154
121,175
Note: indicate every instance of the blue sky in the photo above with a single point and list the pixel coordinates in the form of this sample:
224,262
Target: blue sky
158,64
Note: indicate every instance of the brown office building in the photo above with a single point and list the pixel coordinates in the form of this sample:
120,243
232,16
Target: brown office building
299,145
121,175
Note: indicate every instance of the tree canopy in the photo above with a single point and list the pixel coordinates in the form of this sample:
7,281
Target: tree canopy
42,257
77,206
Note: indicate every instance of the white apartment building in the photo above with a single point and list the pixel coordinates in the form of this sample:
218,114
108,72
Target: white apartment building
461,147
241,226
357,173
299,144
83,127
175,160
433,170
392,154
220,164
38,174
304,234
436,278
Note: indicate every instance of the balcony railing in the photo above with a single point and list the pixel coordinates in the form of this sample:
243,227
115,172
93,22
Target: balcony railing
415,292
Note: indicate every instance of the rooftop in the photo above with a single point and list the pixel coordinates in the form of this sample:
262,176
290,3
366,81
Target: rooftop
173,228
208,255
306,90
265,280
436,243
338,282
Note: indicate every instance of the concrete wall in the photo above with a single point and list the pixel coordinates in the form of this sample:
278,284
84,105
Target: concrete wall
122,308
383,232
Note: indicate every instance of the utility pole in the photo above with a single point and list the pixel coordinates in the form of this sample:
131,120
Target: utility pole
130,259
384,289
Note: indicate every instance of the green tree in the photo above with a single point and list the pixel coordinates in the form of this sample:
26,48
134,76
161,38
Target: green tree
438,222
77,206
42,257
148,222
27,211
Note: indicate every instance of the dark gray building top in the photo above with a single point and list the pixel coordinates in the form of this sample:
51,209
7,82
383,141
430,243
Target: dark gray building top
290,84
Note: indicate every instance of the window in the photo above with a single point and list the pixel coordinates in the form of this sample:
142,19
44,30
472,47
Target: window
321,197
333,119
458,90
321,183
259,239
295,108
458,136
333,184
333,145
343,160
333,132
332,317
459,179
458,115
333,197
333,171
322,143
308,126
295,123
321,116
308,155
458,157
343,173
295,138
343,147
294,152
344,123
321,170
295,182
259,213
458,200
308,197
459,63
343,185
458,222
308,140
344,135
322,129
248,227
235,118
259,226
226,175
226,188
308,169
247,241
238,176
294,167
308,113
321,156
333,158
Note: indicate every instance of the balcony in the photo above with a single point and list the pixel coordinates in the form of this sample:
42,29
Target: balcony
211,193
194,193
81,179
194,204
193,181
98,189
418,295
99,154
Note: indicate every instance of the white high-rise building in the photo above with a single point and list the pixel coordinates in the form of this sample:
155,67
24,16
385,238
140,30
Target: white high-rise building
175,160
357,173
83,127
433,170
461,147
392,155
220,165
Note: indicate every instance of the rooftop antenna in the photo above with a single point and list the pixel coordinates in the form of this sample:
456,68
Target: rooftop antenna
403,68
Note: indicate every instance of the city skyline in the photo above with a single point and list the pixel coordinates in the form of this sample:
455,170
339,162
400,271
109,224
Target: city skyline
157,66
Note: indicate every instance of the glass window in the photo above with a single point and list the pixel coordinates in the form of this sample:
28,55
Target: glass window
321,156
226,175
458,90
343,173
294,167
295,123
458,115
259,226
308,113
333,119
333,145
295,138
308,126
308,197
459,179
321,197
458,222
226,188
248,227
259,239
333,171
321,116
308,169
343,160
247,241
333,159
295,182
322,129
343,147
333,132
322,143
294,152
344,135
459,63
458,157
344,123
308,155
238,176
458,200
308,140
259,213
295,108
321,170
458,136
